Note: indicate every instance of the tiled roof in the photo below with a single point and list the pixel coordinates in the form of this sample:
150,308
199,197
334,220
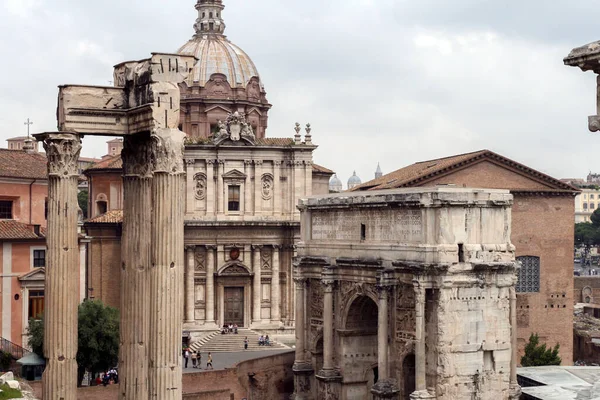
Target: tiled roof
20,164
112,162
111,217
419,172
10,229
275,141
17,138
319,168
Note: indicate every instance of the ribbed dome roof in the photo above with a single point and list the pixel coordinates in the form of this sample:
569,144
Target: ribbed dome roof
335,184
216,54
354,180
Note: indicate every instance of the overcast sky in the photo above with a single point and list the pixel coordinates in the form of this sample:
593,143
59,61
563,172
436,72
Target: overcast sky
390,81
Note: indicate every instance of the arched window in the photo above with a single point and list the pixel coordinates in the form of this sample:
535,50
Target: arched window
529,275
210,15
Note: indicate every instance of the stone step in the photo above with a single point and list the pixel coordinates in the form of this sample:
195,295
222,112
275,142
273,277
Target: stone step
230,342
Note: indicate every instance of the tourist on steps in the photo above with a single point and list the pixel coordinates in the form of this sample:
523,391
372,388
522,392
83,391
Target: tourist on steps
209,361
186,356
194,358
246,343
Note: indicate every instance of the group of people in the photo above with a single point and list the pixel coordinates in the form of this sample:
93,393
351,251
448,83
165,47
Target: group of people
196,358
108,378
264,340
231,328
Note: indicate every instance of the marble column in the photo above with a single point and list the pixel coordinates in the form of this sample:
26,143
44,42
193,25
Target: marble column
327,327
515,389
190,298
210,187
302,368
247,188
256,288
220,189
386,387
210,285
62,267
135,256
420,355
275,288
167,268
257,187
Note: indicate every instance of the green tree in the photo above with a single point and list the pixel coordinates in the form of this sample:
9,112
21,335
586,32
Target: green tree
82,199
537,354
98,337
588,234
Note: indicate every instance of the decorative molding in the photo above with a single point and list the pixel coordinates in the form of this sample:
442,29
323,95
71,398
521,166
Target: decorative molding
62,151
167,151
200,259
267,184
235,128
200,186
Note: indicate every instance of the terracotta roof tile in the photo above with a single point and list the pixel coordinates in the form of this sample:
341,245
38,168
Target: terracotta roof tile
319,168
10,229
275,141
19,164
112,162
412,174
111,217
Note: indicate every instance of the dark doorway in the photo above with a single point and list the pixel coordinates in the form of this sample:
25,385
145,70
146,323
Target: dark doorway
408,372
234,306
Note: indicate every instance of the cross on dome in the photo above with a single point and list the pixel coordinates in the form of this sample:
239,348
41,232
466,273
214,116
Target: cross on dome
210,20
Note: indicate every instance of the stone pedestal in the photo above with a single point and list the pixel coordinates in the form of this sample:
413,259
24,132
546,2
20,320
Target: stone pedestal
135,256
385,389
62,267
166,272
302,377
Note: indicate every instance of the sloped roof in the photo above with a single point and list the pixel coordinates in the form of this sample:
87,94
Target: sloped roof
10,229
110,217
321,169
420,172
112,162
20,164
275,141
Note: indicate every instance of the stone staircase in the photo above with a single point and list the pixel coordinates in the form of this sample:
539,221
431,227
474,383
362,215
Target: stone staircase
230,342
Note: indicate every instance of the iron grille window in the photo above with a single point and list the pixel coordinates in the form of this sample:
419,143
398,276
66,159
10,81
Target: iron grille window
233,198
39,258
6,209
529,275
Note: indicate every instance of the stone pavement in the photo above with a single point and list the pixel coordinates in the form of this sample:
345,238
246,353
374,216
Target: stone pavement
228,360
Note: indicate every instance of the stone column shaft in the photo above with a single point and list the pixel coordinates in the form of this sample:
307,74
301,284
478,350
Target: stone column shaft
190,198
62,268
247,188
420,356
275,288
167,269
257,187
300,335
135,256
256,289
220,190
277,188
190,298
382,334
515,389
210,284
210,187
327,325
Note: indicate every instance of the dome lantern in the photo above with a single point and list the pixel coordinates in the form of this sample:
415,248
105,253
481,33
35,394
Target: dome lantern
210,17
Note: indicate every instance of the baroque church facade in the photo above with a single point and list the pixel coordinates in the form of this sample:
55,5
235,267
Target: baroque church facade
241,220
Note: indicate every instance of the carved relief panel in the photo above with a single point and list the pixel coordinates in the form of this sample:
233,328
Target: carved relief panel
265,259
405,313
200,259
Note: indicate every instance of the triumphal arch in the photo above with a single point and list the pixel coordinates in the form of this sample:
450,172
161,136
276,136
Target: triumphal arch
406,293
143,107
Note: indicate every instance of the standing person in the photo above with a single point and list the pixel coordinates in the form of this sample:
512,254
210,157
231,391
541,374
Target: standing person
186,355
209,361
246,343
199,359
194,357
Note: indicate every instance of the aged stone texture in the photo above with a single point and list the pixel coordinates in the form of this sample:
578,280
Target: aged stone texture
62,264
452,249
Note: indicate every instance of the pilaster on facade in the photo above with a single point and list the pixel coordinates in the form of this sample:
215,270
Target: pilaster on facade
256,285
248,205
258,172
210,187
210,286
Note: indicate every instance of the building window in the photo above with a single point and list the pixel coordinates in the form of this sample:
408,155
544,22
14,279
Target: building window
36,303
592,206
39,258
591,196
585,196
529,275
211,26
585,206
6,209
233,198
102,207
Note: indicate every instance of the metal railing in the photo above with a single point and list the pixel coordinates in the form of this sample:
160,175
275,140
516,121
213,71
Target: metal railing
13,349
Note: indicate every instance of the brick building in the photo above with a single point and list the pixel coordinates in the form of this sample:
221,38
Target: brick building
542,231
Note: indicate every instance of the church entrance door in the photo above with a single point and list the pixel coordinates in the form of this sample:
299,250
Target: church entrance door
234,306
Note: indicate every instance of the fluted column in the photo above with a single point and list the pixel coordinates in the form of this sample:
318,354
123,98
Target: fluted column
256,289
210,187
327,327
190,300
220,191
300,334
135,256
167,270
247,188
420,355
210,284
515,389
62,267
275,288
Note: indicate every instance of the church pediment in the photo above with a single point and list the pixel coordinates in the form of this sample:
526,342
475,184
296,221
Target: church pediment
37,275
234,269
234,174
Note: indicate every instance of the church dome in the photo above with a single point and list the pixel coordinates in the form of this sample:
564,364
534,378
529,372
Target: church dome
354,181
216,54
335,184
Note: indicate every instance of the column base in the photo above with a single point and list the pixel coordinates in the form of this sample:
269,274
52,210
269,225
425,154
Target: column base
329,384
328,375
422,395
302,374
385,389
514,392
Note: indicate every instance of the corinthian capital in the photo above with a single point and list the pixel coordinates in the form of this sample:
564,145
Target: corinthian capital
137,156
168,150
62,150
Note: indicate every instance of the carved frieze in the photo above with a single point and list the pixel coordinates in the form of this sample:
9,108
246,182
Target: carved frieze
316,299
235,270
200,186
62,151
405,313
267,186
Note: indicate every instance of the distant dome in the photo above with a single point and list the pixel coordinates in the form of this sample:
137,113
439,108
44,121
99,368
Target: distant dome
354,181
335,184
216,54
